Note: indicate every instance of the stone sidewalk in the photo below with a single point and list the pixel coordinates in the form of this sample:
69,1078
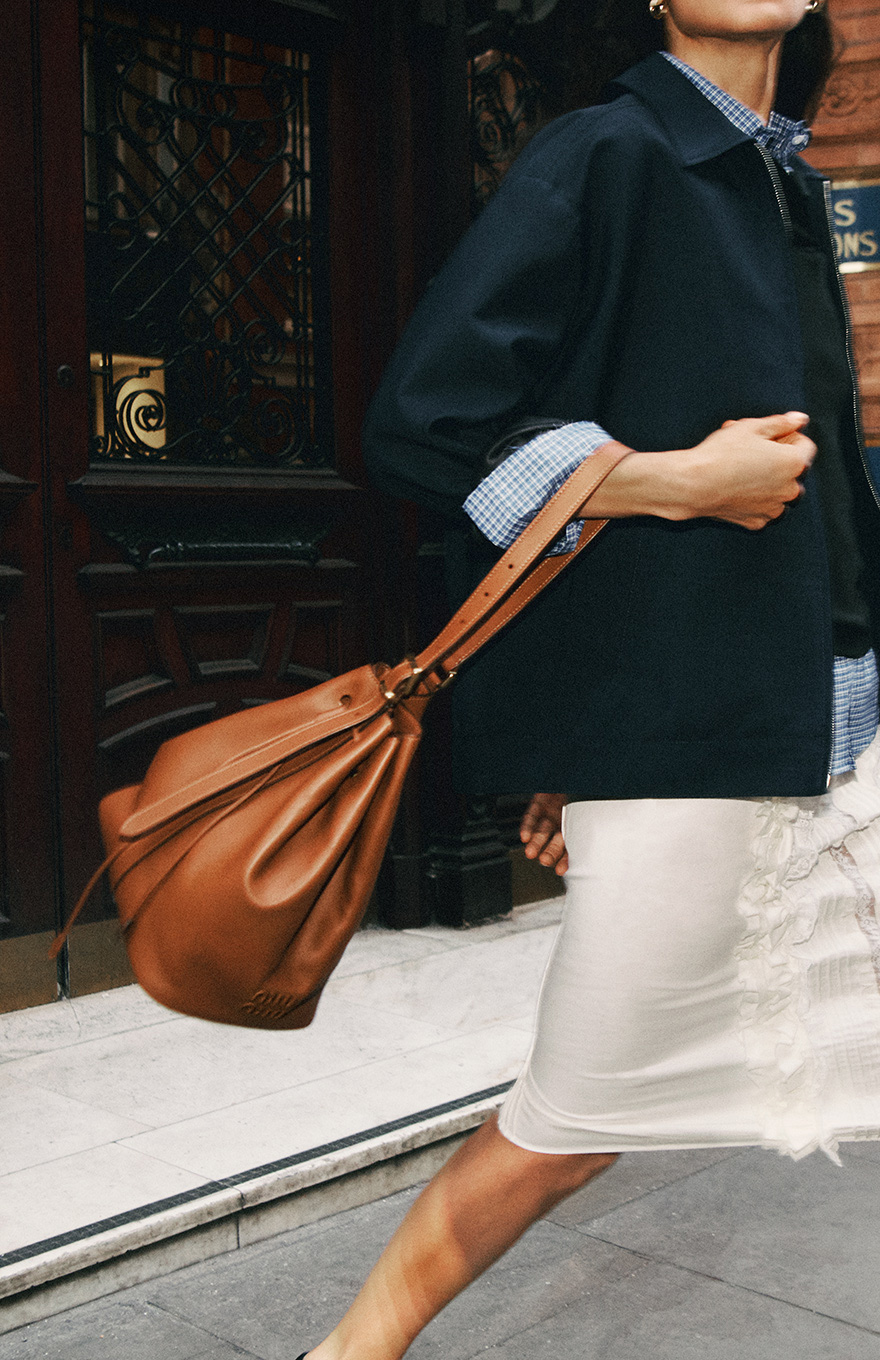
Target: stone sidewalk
136,1141
129,1132
669,1256
111,1101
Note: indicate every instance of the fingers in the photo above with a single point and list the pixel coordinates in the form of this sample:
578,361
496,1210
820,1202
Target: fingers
746,472
778,427
801,446
541,831
770,512
540,837
537,836
784,429
543,806
534,813
551,852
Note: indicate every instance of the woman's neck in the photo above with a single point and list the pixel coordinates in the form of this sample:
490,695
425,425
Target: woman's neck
748,70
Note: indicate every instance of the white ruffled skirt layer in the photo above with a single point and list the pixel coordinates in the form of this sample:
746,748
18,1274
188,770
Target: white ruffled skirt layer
716,978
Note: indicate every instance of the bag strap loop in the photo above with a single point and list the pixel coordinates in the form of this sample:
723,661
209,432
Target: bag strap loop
515,579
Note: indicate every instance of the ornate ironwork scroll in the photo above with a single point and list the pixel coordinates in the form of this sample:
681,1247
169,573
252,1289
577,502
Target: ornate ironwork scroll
506,110
173,534
206,245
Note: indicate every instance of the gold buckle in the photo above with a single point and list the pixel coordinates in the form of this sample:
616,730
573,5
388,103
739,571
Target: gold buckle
405,687
408,686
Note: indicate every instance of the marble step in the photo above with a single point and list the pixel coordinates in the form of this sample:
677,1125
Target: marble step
221,1216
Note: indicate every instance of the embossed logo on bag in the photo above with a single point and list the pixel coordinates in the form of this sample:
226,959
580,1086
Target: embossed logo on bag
271,1005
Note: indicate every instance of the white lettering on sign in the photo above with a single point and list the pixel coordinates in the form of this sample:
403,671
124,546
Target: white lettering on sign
855,219
844,213
856,245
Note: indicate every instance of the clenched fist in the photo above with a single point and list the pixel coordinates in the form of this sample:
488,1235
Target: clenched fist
744,473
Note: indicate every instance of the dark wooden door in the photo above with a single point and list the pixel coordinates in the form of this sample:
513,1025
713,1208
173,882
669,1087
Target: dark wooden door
188,251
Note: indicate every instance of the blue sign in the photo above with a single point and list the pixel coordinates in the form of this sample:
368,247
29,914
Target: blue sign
873,456
855,222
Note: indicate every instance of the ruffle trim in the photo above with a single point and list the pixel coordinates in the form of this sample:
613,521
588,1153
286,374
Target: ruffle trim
780,913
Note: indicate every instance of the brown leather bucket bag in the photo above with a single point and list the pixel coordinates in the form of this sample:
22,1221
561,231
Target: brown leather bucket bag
244,862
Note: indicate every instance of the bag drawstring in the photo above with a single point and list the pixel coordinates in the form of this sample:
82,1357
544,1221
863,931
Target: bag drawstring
60,939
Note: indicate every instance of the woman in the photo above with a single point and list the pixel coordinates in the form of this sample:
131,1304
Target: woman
659,270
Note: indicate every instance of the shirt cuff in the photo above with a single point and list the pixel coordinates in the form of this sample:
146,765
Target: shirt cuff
510,497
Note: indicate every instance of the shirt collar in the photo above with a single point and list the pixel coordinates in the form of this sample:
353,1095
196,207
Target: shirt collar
783,137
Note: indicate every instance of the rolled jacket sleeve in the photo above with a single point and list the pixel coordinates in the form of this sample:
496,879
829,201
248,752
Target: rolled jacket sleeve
489,328
505,501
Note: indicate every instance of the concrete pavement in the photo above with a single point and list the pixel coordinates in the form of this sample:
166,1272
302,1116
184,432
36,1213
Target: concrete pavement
669,1256
136,1141
696,1255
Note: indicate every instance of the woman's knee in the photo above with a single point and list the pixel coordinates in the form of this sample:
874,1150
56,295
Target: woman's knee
553,1174
563,1173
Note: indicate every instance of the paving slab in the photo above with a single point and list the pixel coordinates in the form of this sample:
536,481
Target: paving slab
39,1125
167,1073
656,1312
125,1330
81,1189
64,1023
462,989
84,1078
632,1177
870,1150
301,1288
562,1293
805,1233
228,1141
706,1254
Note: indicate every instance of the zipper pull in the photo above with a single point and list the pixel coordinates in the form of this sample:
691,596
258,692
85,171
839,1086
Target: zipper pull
776,179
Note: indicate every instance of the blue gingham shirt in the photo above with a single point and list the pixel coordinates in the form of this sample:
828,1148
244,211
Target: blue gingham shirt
505,501
783,137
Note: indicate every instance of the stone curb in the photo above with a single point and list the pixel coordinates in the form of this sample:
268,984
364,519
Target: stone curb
247,1208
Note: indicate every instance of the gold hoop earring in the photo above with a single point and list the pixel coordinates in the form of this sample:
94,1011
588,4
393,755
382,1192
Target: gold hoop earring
657,8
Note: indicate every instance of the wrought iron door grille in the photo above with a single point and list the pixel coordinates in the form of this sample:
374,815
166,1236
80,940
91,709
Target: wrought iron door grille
505,111
206,245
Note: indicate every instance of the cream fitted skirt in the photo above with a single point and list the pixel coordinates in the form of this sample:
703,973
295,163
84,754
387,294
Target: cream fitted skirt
716,978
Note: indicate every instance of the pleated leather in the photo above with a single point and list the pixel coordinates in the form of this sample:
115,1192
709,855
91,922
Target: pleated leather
244,862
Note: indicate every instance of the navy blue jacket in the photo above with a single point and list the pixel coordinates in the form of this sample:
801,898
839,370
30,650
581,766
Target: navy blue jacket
634,270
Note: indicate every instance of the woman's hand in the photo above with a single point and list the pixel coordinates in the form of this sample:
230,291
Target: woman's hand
748,471
745,473
541,831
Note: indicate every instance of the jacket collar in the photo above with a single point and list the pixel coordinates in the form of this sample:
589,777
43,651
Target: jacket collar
697,129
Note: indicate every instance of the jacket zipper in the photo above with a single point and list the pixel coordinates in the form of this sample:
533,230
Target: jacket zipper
778,190
850,359
776,180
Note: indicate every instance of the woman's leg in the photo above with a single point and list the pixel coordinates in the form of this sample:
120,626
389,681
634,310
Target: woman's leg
476,1207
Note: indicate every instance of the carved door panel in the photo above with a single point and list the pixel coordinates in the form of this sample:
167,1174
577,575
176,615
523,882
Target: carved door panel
33,401
197,543
222,548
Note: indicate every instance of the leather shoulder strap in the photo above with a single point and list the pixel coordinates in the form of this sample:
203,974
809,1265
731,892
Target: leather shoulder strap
517,577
